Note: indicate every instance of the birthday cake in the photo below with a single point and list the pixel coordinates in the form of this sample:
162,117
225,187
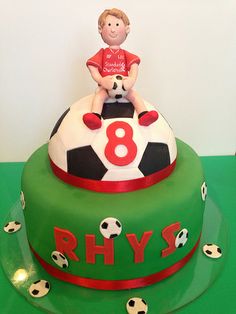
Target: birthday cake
113,202
108,226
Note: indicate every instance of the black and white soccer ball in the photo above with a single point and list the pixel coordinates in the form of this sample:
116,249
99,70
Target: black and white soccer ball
110,227
118,91
204,191
136,306
181,238
39,288
59,259
99,154
212,250
12,227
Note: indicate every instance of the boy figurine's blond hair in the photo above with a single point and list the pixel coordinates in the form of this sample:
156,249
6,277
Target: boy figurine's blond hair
114,12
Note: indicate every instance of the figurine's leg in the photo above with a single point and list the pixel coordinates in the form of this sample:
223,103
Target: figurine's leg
99,98
137,101
93,119
145,117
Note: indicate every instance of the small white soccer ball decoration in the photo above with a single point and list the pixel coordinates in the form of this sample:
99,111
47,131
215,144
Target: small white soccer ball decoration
12,227
118,91
181,238
212,250
59,259
204,191
22,199
110,228
136,306
39,288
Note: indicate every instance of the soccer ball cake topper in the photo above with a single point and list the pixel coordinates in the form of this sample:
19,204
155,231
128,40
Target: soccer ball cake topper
118,90
121,156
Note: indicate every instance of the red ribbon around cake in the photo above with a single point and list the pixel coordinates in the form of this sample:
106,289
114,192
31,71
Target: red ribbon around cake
113,186
100,284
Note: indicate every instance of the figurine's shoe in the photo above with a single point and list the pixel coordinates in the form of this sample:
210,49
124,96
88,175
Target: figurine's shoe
147,117
92,120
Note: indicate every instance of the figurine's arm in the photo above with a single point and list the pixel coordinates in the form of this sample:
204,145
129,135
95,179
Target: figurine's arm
130,80
105,82
95,74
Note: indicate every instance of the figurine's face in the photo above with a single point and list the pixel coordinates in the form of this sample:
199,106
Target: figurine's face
114,31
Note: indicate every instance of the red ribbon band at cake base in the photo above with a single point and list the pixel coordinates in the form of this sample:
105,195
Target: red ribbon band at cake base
100,284
113,186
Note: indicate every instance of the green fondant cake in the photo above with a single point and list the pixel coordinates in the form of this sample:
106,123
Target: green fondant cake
57,214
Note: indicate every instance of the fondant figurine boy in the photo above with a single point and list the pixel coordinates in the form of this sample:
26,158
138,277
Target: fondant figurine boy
113,25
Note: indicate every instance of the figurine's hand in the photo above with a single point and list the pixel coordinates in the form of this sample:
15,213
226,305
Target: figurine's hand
106,82
128,83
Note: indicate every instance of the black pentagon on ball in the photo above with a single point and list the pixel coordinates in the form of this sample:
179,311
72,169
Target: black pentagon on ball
155,158
104,225
113,235
181,234
119,77
131,303
35,292
54,257
117,110
57,125
84,162
115,86
47,285
118,224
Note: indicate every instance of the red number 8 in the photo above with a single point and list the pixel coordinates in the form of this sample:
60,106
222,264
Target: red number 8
125,140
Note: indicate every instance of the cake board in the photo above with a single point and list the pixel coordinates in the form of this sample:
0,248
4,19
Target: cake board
22,269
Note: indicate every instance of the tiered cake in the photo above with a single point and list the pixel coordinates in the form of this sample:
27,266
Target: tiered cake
114,208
